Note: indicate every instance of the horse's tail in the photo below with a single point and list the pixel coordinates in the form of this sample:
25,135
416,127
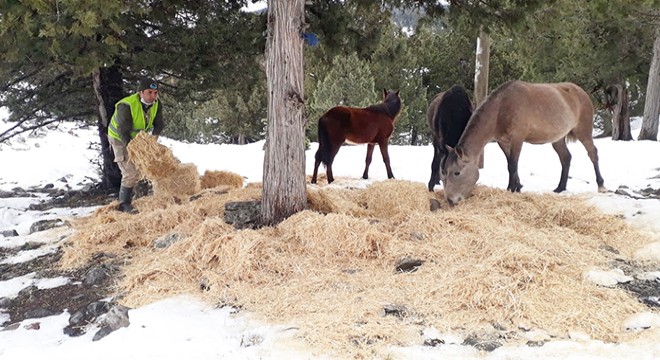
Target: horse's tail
570,137
453,114
325,148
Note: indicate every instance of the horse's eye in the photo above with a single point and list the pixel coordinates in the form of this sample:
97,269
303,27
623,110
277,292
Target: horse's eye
457,173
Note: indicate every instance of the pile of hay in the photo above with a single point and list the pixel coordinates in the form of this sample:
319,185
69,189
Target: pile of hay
212,179
498,259
153,160
168,176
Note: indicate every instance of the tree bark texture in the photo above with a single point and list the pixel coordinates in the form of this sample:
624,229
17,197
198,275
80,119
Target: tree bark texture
481,68
284,189
649,130
620,112
108,90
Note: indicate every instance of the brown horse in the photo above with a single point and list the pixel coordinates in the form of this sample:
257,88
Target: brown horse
448,114
520,112
371,125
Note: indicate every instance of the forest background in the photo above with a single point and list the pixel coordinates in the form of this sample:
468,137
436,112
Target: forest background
72,60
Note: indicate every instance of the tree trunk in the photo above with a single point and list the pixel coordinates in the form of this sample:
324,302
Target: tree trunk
620,112
481,74
607,123
108,90
649,129
284,189
481,68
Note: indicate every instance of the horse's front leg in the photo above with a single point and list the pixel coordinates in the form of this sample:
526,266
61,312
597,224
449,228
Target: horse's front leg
367,161
514,180
512,152
435,164
386,158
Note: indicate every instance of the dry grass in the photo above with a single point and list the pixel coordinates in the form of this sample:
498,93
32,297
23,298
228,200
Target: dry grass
182,181
212,179
498,258
153,160
157,163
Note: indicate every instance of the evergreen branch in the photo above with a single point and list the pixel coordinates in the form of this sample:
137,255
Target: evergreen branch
24,77
8,134
41,122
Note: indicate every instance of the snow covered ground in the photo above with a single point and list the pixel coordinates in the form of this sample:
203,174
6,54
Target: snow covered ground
183,327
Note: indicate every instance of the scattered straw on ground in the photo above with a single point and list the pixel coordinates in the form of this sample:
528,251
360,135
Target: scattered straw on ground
496,259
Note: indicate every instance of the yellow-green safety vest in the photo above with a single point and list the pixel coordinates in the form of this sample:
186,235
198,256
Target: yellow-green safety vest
139,123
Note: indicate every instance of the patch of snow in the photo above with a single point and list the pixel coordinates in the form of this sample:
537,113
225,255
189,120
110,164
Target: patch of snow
607,278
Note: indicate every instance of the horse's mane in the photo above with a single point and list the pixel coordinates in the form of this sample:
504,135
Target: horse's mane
494,95
389,107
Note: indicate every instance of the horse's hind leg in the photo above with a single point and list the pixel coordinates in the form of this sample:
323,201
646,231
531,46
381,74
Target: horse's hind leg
328,171
328,166
386,158
367,161
565,158
588,143
317,162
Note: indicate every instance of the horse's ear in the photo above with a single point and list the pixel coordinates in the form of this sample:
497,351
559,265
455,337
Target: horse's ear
449,148
384,93
461,155
397,92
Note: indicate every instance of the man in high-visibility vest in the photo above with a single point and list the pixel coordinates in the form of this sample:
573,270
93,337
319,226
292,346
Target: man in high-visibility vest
140,111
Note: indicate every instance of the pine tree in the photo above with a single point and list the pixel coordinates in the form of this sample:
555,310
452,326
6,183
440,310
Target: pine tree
74,60
411,125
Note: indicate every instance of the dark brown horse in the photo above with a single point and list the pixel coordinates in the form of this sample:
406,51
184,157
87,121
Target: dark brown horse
371,125
448,114
520,112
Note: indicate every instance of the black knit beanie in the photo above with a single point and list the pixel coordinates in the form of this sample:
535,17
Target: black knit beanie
147,83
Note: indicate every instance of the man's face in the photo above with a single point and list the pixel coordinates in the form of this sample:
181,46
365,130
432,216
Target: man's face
149,95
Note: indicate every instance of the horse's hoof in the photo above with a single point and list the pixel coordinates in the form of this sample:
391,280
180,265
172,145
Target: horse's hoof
602,189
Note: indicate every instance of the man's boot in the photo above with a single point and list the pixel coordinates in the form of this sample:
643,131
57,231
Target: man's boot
125,198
